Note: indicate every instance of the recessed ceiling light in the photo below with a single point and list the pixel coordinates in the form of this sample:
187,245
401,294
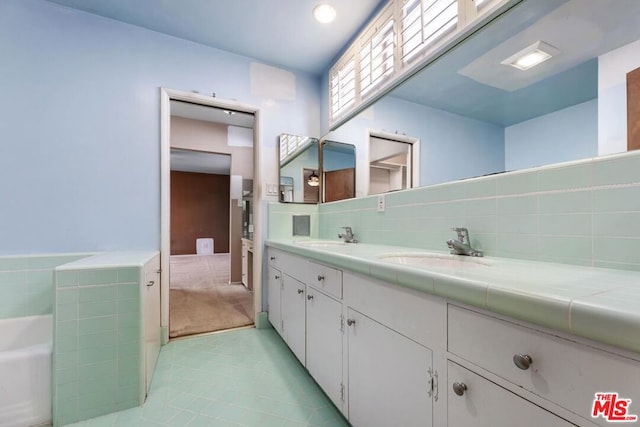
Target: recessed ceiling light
531,56
324,13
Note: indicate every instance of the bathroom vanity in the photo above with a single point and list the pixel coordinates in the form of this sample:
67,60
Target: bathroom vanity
398,337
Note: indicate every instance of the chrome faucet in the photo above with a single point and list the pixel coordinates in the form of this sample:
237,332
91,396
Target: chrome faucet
348,236
462,246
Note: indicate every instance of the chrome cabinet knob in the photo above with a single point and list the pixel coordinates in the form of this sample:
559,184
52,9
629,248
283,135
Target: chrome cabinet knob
320,277
351,322
277,277
309,297
272,258
522,361
300,291
459,388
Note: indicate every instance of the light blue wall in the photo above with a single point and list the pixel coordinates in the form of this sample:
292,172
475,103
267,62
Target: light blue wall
452,146
80,124
564,135
308,159
335,160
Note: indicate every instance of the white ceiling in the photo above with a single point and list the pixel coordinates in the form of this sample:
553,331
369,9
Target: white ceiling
279,32
200,162
211,114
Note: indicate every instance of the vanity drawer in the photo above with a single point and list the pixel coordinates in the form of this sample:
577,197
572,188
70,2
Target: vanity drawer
325,278
483,403
562,371
293,265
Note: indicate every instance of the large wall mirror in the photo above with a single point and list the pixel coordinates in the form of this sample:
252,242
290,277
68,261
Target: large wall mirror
299,169
338,162
312,171
484,107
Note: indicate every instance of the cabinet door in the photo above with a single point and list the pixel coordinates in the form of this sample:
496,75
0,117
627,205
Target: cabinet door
324,343
293,315
274,285
151,318
484,403
245,264
389,380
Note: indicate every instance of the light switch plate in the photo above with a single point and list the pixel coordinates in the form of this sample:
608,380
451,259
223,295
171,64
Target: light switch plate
381,203
272,189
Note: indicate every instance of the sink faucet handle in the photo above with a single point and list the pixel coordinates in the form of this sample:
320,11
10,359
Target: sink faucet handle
463,234
348,235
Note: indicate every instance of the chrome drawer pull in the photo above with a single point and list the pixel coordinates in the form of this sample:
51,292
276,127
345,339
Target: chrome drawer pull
522,361
309,297
459,388
150,283
320,278
351,322
300,291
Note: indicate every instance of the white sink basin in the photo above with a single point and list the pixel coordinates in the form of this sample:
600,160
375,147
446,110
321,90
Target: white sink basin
433,260
319,243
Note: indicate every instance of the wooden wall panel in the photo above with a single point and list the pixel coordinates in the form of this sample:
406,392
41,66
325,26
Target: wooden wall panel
633,110
340,184
199,208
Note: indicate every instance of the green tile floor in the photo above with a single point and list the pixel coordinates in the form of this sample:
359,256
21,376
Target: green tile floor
245,377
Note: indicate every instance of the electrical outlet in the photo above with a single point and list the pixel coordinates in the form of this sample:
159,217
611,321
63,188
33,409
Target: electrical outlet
381,203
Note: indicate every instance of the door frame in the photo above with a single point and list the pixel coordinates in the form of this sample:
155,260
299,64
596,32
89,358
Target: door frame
166,95
415,154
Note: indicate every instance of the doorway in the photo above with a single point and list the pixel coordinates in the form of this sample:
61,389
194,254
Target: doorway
210,188
202,296
393,162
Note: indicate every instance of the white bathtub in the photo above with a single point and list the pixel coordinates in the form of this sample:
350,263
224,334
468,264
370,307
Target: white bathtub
25,371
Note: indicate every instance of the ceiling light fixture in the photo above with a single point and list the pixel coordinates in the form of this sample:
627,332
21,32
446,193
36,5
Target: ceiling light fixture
313,180
324,13
531,56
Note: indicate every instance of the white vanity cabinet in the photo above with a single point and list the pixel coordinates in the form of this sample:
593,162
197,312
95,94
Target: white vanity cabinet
305,308
390,355
324,343
292,311
391,336
151,304
476,401
388,375
560,371
274,289
286,301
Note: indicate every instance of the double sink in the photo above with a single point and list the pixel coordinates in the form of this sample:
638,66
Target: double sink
412,259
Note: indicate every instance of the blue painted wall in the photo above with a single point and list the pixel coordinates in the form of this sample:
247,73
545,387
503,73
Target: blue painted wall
452,146
564,135
80,124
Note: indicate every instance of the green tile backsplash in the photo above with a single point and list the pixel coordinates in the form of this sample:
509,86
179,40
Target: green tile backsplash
582,213
26,283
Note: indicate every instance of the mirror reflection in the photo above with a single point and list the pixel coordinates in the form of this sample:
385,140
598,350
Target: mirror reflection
338,170
389,165
299,166
477,110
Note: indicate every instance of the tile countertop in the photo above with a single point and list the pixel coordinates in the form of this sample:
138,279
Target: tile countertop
114,259
596,303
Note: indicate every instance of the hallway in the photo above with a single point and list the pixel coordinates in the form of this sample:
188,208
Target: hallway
201,298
